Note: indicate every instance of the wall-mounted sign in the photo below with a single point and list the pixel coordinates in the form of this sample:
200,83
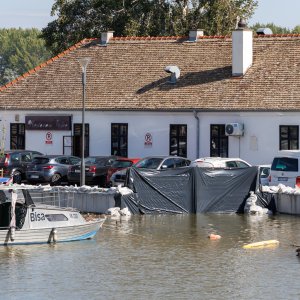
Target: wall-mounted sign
48,138
148,139
48,122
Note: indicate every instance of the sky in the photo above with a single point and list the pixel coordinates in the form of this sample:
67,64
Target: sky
36,13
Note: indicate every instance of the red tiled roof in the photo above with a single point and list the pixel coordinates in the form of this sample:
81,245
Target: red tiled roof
129,74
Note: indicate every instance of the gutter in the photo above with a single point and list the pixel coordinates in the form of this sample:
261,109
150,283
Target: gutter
197,133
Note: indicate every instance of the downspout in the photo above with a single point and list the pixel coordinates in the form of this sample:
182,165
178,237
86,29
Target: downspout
197,133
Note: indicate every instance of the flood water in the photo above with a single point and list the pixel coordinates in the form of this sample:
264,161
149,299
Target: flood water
161,257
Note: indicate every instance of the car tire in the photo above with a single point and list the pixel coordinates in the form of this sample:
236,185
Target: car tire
17,177
55,179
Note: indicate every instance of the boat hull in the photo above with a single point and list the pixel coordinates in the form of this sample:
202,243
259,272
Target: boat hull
46,235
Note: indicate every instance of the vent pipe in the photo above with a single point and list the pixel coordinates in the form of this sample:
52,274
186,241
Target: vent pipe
175,73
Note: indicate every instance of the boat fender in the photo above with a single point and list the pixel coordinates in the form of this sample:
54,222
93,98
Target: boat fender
12,233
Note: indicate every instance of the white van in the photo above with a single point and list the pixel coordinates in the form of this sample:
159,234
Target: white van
285,169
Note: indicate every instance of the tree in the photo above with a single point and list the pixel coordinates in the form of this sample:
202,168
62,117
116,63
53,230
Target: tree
20,51
79,19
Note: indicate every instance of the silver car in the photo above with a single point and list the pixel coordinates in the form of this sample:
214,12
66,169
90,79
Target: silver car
51,169
152,163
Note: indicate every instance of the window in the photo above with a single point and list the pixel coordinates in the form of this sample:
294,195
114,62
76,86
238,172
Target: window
231,164
286,164
14,157
241,164
181,163
62,160
168,164
74,160
56,217
17,136
25,157
289,137
218,141
119,139
178,140
77,140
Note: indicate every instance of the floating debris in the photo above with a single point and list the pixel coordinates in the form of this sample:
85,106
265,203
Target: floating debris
262,244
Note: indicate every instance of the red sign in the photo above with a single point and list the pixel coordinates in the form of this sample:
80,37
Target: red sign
148,139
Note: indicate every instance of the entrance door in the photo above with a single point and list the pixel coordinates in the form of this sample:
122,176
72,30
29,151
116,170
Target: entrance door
77,138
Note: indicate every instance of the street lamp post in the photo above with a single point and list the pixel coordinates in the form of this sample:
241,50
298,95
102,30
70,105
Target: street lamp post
83,63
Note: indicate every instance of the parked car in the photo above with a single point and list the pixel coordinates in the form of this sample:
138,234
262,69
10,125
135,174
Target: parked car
153,163
285,169
96,168
220,162
119,164
51,169
14,163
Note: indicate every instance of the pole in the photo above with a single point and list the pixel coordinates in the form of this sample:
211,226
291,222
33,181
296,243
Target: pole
83,63
82,171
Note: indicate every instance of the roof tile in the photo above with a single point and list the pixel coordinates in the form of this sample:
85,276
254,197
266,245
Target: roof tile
129,74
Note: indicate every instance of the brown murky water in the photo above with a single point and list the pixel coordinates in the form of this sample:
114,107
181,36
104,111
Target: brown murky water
161,257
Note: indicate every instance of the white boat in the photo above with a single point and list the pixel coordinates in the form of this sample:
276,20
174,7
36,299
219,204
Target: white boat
24,221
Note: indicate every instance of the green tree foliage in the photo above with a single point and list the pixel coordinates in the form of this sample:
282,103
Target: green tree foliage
79,19
296,29
20,51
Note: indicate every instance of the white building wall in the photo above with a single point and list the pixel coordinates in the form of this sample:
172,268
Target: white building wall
258,145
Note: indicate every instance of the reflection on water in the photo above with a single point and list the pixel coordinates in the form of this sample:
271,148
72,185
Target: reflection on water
161,257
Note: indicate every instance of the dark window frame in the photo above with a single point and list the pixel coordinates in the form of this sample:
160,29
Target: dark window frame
119,150
19,136
179,138
77,134
289,139
221,138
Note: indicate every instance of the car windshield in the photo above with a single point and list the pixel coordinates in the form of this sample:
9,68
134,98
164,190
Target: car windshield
149,163
121,164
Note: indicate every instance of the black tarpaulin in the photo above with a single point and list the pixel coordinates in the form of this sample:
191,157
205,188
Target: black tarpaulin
223,190
161,191
189,190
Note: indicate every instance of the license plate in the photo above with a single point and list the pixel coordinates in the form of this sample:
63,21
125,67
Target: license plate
77,171
282,179
34,176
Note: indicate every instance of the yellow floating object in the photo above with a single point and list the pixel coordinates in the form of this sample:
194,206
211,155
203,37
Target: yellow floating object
261,244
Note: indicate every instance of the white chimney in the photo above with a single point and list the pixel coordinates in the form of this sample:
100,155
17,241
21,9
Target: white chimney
193,34
106,36
242,49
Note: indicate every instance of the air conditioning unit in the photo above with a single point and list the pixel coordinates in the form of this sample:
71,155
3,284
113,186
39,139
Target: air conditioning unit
234,129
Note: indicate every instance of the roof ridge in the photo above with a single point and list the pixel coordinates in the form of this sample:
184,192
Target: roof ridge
176,37
45,63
